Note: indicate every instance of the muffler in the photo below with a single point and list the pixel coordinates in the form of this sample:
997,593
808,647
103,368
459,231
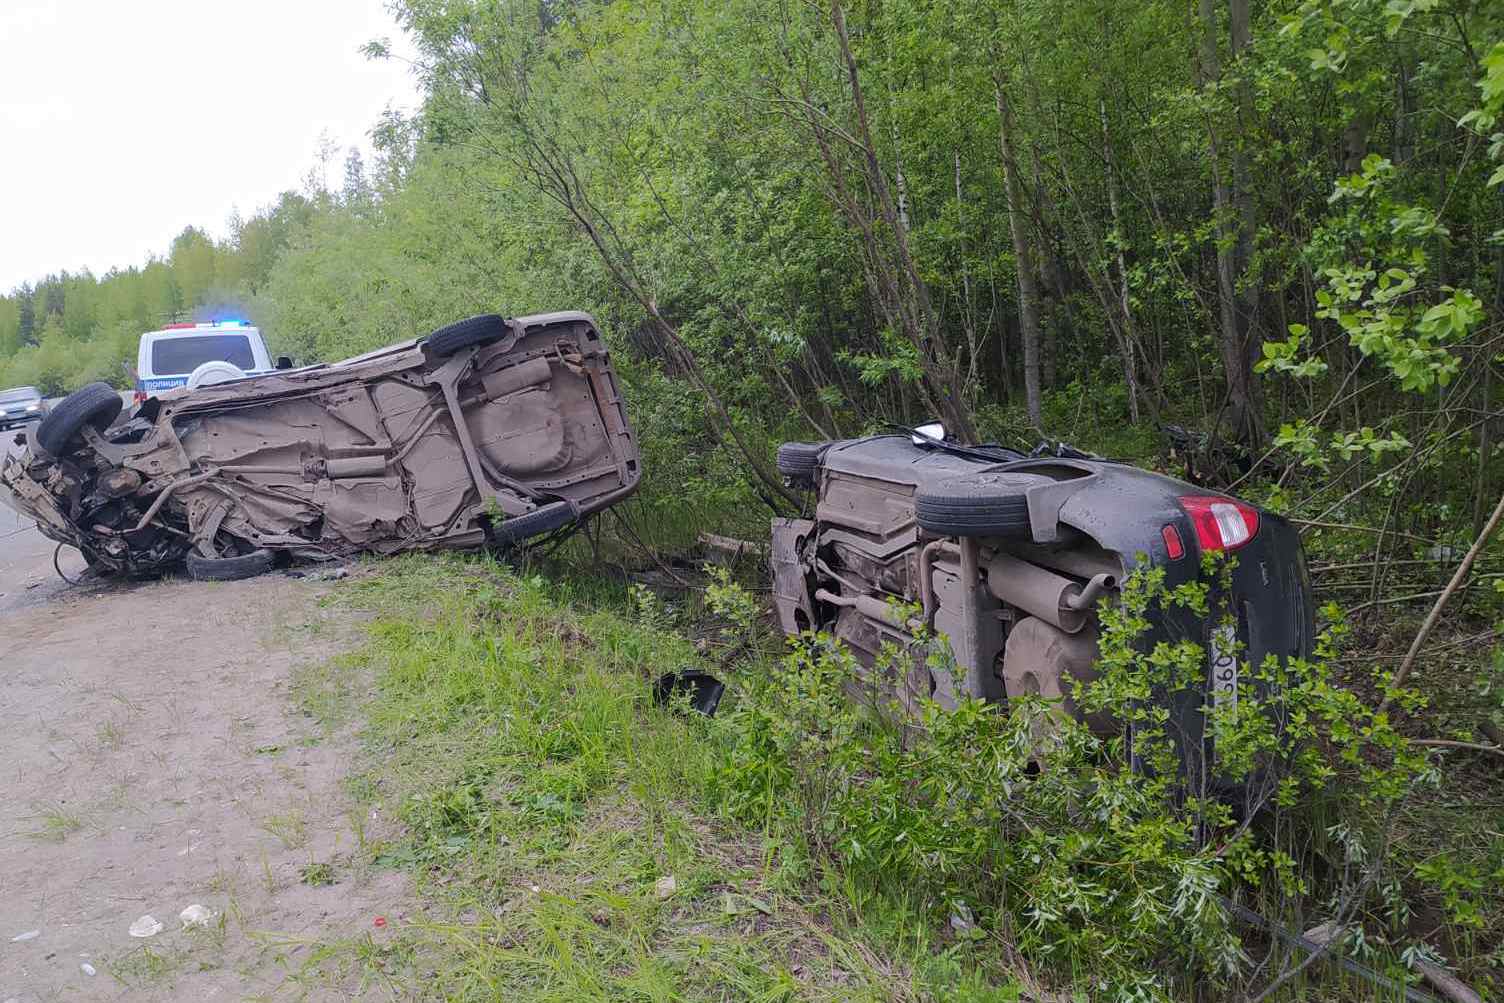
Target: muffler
1053,598
341,467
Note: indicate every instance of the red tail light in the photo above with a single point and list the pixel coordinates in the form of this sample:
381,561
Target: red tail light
1221,523
1174,548
139,397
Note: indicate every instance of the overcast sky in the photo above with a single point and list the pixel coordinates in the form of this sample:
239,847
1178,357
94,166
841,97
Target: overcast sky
122,121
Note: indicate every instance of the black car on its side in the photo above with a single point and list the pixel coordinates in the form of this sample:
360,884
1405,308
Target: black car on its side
1008,556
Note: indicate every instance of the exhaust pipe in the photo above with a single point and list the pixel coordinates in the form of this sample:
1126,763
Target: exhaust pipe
872,607
1053,598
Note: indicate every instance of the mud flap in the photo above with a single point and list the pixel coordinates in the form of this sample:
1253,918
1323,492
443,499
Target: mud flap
791,596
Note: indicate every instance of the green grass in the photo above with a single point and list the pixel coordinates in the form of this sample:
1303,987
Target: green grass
290,828
145,966
542,798
55,823
542,795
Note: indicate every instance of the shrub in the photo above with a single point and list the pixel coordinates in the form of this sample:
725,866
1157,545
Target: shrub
1104,855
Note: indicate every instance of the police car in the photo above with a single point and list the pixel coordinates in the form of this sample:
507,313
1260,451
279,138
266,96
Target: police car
193,355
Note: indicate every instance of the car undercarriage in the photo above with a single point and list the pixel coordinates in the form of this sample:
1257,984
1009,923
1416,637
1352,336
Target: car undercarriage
489,431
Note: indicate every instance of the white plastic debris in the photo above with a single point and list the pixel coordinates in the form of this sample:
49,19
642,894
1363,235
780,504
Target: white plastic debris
195,915
146,926
28,935
86,968
665,887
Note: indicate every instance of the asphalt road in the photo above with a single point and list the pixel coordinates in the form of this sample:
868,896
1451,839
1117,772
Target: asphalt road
27,577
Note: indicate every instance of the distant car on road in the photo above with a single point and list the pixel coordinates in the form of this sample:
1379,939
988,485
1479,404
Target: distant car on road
199,355
19,405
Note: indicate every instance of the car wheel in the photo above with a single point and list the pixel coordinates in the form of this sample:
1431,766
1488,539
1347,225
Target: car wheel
213,373
472,331
229,569
541,520
799,462
973,506
97,404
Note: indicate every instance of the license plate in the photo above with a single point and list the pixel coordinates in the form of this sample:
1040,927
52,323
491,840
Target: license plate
1224,645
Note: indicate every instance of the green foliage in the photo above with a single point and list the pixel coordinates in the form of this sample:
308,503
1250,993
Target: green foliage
1024,820
1377,302
543,798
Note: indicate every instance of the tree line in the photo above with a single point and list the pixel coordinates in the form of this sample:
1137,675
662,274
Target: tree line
1275,224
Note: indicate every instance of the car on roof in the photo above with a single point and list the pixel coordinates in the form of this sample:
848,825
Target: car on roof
20,405
199,354
1008,556
489,431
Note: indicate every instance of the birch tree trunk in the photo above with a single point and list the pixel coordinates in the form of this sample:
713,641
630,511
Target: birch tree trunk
1023,254
1127,341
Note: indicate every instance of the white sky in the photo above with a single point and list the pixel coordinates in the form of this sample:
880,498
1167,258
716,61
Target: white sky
122,121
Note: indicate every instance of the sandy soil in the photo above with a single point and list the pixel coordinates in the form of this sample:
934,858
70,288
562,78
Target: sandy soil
153,756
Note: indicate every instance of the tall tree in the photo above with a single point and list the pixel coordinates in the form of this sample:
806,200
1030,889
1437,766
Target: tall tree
1019,229
1232,207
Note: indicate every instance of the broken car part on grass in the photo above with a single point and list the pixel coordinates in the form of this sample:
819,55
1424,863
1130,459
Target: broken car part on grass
700,689
488,431
1007,556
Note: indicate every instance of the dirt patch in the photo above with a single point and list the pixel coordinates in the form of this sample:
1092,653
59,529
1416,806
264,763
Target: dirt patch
153,757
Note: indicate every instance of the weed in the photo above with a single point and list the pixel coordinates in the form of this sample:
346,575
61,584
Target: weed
289,828
317,874
111,735
222,882
324,691
57,822
269,879
356,817
146,966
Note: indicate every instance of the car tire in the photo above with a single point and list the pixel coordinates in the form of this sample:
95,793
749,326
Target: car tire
229,569
541,520
467,333
799,462
974,506
96,404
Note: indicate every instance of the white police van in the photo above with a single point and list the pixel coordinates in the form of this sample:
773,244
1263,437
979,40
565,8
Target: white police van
194,355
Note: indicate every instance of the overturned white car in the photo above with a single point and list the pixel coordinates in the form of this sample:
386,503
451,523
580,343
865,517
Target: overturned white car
491,430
